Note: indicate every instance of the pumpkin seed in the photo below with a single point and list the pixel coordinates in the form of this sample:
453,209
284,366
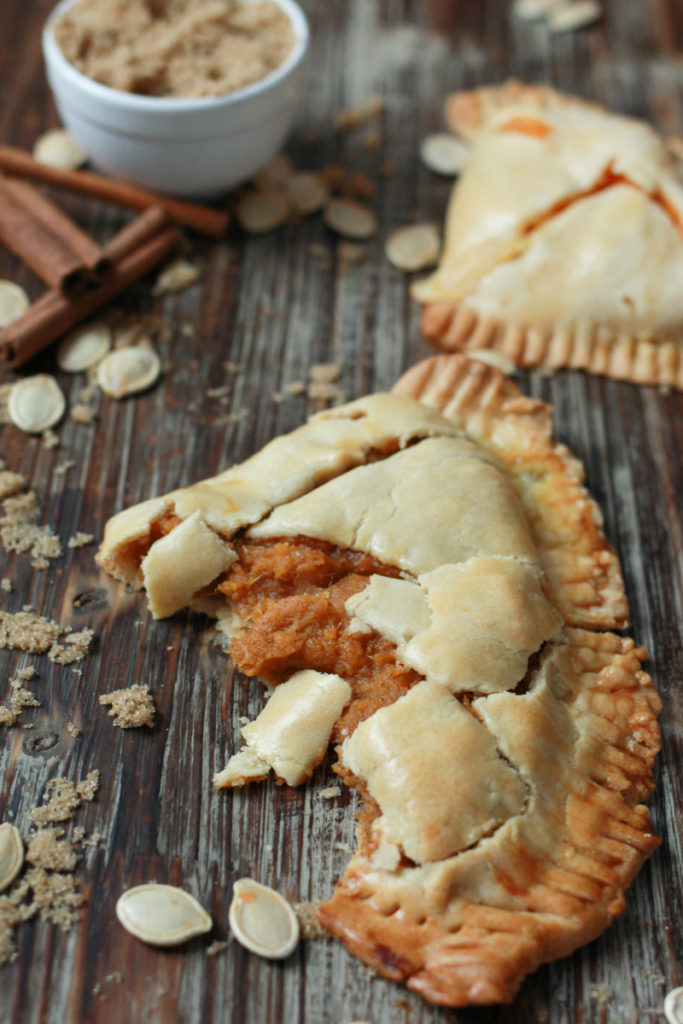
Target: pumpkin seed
262,920
531,10
162,915
443,153
127,371
572,16
11,854
259,212
180,274
13,302
274,174
414,247
350,219
36,403
307,192
673,1006
59,149
84,348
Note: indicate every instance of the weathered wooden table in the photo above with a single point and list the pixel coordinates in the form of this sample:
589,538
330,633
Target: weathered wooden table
274,306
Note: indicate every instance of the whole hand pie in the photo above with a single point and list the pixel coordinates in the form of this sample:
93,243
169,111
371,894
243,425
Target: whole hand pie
564,239
422,580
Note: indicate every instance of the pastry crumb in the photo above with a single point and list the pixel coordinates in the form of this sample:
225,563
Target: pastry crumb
50,439
6,585
330,792
64,467
218,946
131,707
79,540
349,120
82,413
10,483
601,993
73,730
308,922
180,274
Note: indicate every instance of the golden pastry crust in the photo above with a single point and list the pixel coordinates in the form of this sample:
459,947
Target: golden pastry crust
492,610
564,237
455,949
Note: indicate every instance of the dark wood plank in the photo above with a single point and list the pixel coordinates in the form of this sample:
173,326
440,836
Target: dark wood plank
275,307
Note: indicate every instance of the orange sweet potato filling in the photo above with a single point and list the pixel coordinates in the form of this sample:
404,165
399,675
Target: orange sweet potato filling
291,593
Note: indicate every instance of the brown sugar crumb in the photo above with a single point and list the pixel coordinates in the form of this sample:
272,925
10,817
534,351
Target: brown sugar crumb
26,673
74,648
131,708
10,483
19,699
19,531
64,798
79,540
48,889
25,631
167,48
47,849
308,922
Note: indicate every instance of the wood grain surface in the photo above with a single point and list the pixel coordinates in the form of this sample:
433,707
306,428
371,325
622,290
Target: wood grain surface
274,306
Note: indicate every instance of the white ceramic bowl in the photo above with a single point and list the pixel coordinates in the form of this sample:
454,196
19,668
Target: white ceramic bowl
197,148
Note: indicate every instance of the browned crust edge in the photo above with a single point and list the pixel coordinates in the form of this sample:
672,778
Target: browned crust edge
455,327
582,569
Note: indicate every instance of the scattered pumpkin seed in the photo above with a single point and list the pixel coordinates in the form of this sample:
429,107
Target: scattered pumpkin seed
127,371
84,348
259,212
11,854
350,219
13,302
274,174
36,403
531,10
307,192
162,915
443,153
59,149
415,247
673,1006
178,275
572,16
262,920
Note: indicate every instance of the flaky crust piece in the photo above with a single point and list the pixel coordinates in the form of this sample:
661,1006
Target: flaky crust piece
564,237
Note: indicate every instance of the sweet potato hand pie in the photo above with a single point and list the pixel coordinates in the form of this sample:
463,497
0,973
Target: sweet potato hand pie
422,579
564,238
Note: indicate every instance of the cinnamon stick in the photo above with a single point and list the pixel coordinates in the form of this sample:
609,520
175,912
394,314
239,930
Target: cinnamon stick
54,314
191,215
59,224
46,254
145,226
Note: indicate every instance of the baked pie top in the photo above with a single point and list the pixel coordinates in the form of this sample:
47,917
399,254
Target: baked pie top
564,238
421,577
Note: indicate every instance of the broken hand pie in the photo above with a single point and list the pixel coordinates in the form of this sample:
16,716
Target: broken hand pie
422,579
564,239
